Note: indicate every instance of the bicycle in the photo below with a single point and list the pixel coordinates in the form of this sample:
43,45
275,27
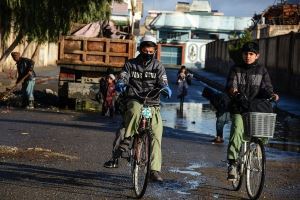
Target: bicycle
251,160
140,146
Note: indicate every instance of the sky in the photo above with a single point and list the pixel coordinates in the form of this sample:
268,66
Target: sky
240,8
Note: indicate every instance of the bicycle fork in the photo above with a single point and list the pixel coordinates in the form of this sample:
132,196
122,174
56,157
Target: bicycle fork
140,141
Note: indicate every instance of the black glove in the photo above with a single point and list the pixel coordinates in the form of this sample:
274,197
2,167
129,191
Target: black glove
242,100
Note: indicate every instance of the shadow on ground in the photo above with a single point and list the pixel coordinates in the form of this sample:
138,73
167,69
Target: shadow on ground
101,184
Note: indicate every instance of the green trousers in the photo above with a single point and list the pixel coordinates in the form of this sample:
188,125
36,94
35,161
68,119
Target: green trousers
236,137
132,119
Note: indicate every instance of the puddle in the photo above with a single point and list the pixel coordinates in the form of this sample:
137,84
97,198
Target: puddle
197,166
177,170
201,118
196,117
193,184
190,181
32,153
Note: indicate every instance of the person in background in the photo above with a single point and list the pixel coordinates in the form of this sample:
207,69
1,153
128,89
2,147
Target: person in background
220,101
107,89
183,80
184,72
27,75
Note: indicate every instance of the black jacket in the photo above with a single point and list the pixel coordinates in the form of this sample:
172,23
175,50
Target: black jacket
24,65
144,78
253,81
219,100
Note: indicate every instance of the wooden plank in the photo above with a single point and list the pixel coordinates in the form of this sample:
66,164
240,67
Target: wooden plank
130,50
96,53
101,64
107,48
84,50
96,39
61,48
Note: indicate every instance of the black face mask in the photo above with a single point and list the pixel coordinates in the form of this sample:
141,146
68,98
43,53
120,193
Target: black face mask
147,57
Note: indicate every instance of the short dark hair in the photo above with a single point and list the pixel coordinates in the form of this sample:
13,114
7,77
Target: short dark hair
147,44
250,47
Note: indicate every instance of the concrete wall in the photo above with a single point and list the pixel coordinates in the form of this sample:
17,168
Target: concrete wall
47,54
195,52
279,54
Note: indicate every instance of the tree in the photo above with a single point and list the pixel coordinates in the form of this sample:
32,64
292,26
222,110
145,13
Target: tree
45,20
234,49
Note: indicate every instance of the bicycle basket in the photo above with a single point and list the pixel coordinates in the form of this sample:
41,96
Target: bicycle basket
258,124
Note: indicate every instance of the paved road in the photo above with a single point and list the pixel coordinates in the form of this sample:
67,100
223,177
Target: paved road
50,154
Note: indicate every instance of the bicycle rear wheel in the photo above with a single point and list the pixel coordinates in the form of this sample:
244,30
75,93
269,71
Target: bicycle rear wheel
256,169
141,163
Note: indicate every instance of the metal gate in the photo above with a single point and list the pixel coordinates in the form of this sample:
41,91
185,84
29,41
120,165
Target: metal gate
171,55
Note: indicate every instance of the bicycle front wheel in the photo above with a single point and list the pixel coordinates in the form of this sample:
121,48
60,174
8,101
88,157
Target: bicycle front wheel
240,169
256,169
141,163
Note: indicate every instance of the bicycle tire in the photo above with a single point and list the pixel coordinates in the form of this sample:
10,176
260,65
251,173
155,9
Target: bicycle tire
256,169
141,163
240,171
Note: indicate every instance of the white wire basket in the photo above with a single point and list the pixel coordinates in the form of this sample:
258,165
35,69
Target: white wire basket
258,124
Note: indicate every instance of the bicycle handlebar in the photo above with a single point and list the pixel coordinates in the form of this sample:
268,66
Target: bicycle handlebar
147,95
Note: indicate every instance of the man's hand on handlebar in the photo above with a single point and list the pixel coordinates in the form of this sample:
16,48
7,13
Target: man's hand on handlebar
120,86
167,92
274,97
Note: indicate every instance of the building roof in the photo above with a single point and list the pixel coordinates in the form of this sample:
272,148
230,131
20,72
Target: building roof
179,20
119,9
200,6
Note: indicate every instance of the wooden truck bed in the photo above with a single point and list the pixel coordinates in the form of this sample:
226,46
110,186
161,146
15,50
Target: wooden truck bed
75,50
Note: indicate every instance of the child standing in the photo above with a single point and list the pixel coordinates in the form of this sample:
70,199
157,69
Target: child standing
109,94
183,80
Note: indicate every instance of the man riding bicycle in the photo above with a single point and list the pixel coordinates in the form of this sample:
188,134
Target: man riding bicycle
248,85
144,73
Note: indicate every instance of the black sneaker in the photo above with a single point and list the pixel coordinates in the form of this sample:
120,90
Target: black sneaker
113,163
155,176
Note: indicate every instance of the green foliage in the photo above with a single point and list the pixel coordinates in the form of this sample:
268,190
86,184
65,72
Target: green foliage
45,20
235,47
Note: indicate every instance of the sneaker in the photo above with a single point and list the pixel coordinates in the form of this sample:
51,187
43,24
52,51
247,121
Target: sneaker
113,163
30,105
218,140
232,173
155,176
